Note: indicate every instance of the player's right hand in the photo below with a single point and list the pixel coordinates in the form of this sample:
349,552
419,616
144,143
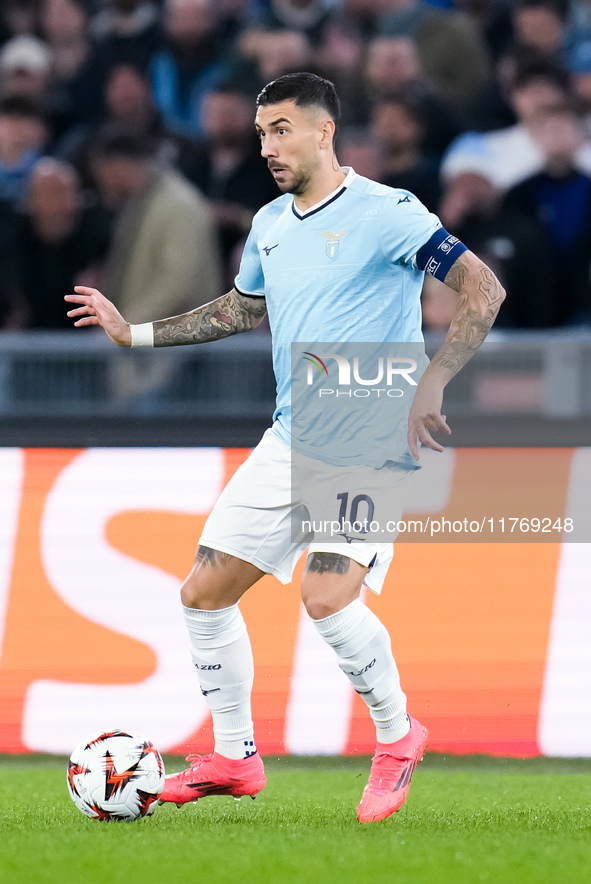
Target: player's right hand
95,309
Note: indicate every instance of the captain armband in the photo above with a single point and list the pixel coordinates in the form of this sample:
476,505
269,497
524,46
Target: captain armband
142,335
440,253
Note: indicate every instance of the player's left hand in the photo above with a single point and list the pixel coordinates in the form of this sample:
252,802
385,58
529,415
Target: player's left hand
425,416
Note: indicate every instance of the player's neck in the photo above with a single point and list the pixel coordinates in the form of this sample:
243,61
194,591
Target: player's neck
319,188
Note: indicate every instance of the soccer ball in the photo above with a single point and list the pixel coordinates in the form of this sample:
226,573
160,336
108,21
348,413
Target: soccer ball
115,776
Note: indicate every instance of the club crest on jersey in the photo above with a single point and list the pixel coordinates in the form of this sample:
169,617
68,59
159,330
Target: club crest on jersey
333,241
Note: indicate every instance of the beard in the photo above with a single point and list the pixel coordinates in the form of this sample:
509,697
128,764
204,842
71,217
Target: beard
297,185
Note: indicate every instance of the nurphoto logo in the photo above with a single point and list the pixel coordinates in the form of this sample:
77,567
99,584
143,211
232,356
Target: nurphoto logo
388,370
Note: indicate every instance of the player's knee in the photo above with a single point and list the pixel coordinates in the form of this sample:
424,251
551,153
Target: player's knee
217,580
194,594
206,598
320,601
318,608
201,590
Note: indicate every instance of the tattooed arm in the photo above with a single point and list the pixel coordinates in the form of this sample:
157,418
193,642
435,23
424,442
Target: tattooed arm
229,315
480,295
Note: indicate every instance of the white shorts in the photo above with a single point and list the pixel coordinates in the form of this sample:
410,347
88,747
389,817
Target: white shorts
253,519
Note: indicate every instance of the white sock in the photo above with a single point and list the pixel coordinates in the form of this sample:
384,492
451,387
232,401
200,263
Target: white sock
222,655
364,652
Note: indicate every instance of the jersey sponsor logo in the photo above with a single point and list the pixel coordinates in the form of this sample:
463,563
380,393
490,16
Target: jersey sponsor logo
403,199
332,241
268,249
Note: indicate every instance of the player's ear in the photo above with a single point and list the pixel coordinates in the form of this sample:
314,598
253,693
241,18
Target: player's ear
327,130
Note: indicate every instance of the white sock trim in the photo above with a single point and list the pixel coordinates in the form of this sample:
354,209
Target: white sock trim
208,627
352,628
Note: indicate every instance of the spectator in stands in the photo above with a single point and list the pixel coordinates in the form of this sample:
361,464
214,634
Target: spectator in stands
268,55
512,246
234,176
539,239
468,194
399,125
18,17
494,108
128,100
452,52
61,243
13,307
539,38
164,257
508,156
541,25
127,29
493,20
393,69
580,16
579,65
360,17
339,58
189,65
309,17
75,74
25,67
557,199
23,136
361,150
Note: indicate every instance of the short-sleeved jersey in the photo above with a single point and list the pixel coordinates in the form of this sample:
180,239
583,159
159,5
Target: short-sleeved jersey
343,271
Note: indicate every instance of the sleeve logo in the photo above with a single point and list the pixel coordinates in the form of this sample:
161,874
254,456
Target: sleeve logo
448,244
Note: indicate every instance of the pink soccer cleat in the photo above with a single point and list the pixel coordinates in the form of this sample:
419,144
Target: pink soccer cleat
391,769
215,775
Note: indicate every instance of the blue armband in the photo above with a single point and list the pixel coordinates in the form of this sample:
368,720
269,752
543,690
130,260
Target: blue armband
439,253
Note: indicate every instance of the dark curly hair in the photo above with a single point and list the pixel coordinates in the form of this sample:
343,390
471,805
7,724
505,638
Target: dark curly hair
306,90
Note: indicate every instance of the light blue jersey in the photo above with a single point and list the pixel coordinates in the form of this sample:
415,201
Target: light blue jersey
344,271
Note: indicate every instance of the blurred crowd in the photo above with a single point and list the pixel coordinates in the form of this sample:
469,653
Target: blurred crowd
129,161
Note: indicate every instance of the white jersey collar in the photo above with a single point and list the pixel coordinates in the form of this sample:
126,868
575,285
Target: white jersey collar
351,174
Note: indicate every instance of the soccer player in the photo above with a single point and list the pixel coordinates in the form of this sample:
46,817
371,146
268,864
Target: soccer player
336,257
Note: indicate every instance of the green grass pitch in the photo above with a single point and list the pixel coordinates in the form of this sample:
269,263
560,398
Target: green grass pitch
467,821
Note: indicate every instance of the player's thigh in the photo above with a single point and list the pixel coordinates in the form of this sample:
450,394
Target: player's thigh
252,519
331,581
217,580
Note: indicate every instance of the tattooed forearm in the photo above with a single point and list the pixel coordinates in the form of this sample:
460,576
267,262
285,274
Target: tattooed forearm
324,563
229,315
480,296
453,357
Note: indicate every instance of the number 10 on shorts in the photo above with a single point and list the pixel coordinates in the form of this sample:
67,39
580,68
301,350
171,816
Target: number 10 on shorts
358,517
